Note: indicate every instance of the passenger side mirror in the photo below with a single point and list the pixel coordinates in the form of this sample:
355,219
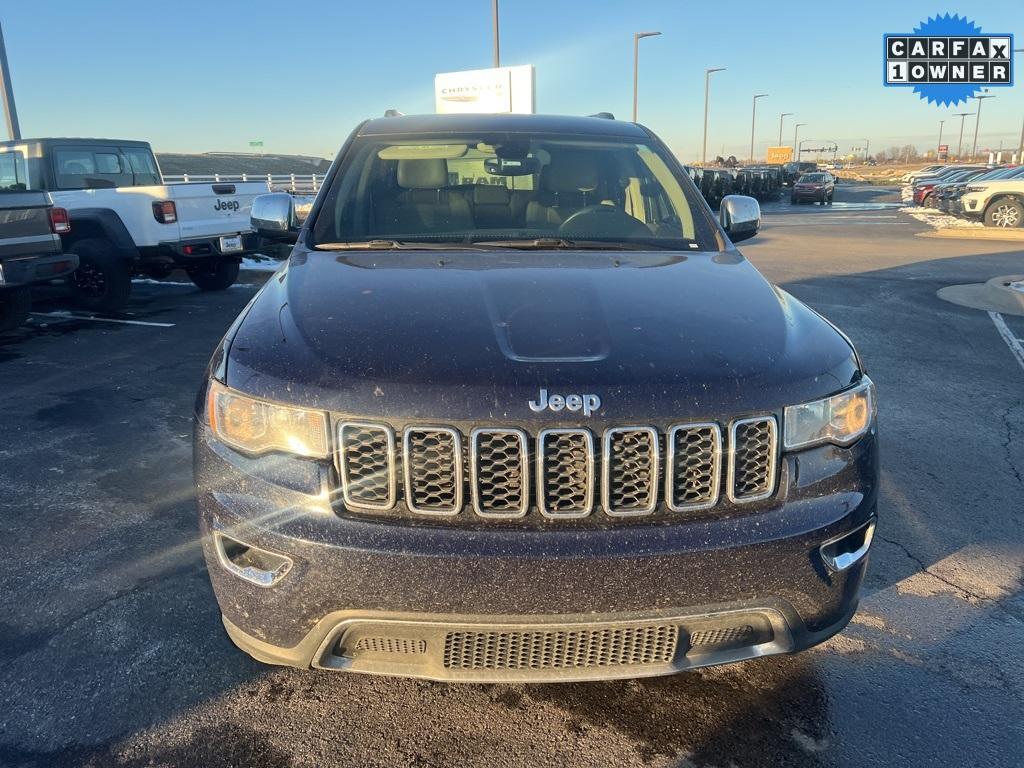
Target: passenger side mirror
740,217
273,217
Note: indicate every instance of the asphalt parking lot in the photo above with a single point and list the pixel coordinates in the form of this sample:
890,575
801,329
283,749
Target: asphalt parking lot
113,653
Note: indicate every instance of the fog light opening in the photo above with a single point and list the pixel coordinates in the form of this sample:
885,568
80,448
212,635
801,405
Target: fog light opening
249,563
847,550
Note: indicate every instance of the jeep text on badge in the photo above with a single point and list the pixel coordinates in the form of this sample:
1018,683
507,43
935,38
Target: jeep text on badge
226,205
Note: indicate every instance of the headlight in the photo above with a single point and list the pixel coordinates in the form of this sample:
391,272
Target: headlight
976,188
839,419
258,426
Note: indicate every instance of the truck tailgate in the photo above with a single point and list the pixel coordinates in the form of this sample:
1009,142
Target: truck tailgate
25,224
220,208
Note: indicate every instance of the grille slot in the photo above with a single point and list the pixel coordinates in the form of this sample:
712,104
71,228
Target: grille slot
499,463
565,472
561,649
740,635
752,459
366,465
630,475
400,645
433,470
693,466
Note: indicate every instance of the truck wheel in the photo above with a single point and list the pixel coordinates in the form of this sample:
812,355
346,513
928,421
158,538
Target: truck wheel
103,280
215,276
14,308
1005,212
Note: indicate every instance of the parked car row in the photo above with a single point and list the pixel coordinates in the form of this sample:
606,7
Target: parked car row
993,195
116,219
762,182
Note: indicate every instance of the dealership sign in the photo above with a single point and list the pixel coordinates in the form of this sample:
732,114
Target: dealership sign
502,89
779,155
947,60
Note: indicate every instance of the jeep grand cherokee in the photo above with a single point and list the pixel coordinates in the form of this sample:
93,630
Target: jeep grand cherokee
515,408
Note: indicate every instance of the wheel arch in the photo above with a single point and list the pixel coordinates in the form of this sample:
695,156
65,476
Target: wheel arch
103,224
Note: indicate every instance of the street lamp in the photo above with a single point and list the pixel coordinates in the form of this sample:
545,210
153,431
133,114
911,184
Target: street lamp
937,150
497,43
637,36
960,144
753,116
977,120
867,145
796,131
707,82
784,114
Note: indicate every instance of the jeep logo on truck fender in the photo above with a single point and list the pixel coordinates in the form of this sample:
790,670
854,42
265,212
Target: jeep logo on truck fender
226,205
588,403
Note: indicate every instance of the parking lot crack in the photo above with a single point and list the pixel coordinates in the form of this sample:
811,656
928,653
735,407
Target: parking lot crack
1007,445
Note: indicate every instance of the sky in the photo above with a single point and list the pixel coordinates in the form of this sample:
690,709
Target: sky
212,76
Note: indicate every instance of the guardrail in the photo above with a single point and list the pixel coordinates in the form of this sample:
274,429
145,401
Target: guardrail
279,182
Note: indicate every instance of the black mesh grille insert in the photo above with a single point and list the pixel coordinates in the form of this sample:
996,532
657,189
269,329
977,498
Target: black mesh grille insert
400,645
631,471
367,465
500,485
566,473
561,649
753,468
693,466
433,470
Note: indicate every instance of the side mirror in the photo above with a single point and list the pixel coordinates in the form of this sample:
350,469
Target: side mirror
273,217
739,216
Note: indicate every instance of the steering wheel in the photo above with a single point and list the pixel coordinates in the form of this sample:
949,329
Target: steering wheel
603,221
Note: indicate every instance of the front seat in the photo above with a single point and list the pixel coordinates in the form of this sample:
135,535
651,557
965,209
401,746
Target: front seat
424,203
567,184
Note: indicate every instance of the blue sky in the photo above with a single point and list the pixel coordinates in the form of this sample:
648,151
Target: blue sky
202,76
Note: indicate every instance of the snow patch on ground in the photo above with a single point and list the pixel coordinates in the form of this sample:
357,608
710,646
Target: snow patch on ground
257,262
939,220
907,193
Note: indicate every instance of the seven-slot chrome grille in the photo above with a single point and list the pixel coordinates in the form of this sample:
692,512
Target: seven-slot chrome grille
502,472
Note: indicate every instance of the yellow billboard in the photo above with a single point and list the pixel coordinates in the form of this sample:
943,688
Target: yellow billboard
780,154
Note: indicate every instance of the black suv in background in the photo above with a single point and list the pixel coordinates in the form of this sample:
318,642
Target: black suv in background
515,408
793,171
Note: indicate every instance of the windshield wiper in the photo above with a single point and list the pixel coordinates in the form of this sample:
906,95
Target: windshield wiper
561,243
392,245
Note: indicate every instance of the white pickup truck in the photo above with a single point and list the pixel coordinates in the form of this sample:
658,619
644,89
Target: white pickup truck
126,221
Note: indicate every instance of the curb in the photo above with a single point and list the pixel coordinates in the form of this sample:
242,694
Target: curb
995,295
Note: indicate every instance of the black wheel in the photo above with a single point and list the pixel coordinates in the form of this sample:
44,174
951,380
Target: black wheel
14,308
1005,212
103,280
214,276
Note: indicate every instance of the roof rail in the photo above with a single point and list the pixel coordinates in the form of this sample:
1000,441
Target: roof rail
603,115
393,113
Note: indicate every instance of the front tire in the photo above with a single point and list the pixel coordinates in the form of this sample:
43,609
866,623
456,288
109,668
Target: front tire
216,276
1006,212
15,305
103,280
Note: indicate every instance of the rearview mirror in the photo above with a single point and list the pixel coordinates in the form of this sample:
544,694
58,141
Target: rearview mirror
273,217
511,166
740,217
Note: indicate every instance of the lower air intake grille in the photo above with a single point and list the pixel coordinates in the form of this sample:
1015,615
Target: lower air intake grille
433,470
562,649
741,635
400,645
565,472
752,472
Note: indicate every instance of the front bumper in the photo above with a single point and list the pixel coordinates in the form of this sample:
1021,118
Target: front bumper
524,604
29,270
973,205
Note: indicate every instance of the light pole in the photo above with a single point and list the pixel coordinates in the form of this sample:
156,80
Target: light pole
977,120
796,131
753,117
867,145
1020,147
937,150
497,42
7,93
637,36
960,144
784,114
707,85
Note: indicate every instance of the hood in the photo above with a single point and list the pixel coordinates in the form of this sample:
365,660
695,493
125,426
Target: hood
470,335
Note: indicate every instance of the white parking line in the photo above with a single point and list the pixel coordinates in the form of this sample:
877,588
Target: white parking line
1011,341
71,316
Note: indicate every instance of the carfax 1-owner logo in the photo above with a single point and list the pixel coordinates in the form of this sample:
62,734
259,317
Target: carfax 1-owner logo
948,59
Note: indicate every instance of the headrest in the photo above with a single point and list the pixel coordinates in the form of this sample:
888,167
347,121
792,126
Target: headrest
422,174
571,171
491,194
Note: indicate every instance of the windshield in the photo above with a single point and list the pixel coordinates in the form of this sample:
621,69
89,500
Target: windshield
812,178
511,190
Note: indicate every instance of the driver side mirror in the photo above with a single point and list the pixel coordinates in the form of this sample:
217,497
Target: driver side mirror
740,217
274,217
